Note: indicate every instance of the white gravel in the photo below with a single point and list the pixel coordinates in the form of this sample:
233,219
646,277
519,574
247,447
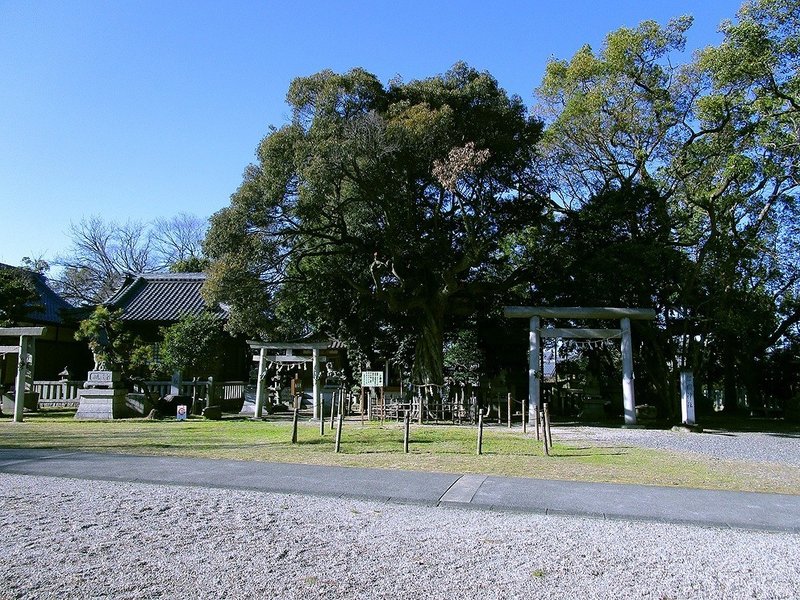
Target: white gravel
63,538
780,448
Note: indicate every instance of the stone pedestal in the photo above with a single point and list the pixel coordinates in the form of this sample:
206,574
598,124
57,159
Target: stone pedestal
102,404
102,398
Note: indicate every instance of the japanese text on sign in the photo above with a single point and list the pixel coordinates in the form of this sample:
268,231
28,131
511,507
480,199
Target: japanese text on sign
371,378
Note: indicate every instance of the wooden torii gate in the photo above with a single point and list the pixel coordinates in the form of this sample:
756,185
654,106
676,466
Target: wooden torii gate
26,352
536,313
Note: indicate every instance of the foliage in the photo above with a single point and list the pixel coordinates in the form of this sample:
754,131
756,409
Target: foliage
714,143
18,296
193,345
108,340
378,213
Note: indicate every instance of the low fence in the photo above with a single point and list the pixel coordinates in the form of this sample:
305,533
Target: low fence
53,394
57,393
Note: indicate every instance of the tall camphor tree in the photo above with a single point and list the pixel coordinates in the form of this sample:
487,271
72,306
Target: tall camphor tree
716,140
379,212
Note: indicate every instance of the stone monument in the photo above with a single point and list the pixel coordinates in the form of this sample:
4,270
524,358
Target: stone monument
102,397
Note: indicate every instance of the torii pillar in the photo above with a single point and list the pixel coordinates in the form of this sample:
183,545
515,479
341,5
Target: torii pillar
26,348
624,315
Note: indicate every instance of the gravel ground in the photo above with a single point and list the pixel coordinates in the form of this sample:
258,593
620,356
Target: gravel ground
63,538
747,446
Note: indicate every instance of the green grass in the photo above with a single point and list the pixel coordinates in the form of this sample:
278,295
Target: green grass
433,448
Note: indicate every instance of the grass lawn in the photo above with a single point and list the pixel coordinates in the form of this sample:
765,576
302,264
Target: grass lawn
441,448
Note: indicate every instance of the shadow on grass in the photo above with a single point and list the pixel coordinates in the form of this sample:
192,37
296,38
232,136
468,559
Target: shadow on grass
585,454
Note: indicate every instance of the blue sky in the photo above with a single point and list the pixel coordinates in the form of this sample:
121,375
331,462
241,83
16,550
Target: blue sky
139,110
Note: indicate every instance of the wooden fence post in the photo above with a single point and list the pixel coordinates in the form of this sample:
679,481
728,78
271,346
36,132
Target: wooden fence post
547,434
406,431
339,433
524,422
480,434
537,419
544,434
510,407
334,399
295,412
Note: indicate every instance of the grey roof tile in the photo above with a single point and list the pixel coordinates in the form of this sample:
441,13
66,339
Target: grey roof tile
161,297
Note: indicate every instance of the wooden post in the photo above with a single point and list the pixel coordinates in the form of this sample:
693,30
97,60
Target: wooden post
383,406
322,416
406,431
524,422
547,433
537,420
480,433
338,446
544,436
362,406
294,425
510,407
334,399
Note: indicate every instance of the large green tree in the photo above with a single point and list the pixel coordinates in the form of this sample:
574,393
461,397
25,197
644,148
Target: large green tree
716,140
379,212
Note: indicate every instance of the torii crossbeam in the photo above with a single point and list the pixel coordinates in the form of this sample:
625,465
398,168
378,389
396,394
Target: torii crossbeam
536,313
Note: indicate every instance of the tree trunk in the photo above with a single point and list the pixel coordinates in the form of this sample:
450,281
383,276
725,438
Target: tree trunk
729,378
429,354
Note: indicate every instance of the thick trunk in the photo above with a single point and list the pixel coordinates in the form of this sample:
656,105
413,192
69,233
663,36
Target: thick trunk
731,406
428,355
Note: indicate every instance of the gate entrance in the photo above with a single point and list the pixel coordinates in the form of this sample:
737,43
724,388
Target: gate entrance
537,313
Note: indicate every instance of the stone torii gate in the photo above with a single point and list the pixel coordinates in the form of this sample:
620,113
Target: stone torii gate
289,357
26,352
536,313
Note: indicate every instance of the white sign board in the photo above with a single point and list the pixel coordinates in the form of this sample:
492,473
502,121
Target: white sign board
372,379
181,413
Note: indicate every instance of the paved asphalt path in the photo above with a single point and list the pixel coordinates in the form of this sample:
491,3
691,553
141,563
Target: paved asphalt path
747,510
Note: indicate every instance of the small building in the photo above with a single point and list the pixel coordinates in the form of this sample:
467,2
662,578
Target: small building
151,301
57,348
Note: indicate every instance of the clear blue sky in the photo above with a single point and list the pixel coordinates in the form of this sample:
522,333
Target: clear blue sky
146,109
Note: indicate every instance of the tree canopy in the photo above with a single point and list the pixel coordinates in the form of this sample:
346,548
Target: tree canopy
378,210
18,296
397,216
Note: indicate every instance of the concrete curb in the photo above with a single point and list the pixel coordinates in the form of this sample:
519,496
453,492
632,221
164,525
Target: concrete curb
745,510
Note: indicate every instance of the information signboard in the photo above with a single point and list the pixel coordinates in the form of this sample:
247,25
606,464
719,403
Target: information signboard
372,379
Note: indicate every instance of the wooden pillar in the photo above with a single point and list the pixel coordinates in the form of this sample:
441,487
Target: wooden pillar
628,398
315,383
261,385
22,376
534,372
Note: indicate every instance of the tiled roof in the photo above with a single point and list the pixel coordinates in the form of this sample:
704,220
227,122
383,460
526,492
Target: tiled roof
161,297
52,304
